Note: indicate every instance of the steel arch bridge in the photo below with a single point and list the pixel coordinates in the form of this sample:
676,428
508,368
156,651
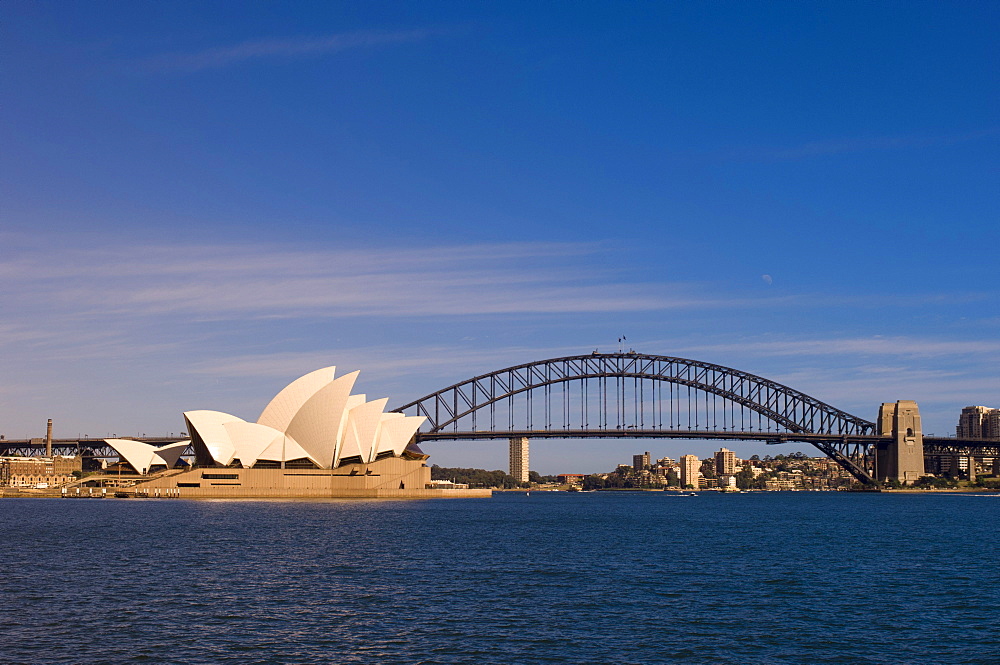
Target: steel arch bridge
633,395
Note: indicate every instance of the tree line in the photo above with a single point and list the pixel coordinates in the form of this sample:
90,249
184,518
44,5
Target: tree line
489,479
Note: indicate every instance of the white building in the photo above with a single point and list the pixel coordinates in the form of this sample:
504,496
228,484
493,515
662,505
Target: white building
314,422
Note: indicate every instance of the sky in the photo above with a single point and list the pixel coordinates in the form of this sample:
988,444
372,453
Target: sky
201,201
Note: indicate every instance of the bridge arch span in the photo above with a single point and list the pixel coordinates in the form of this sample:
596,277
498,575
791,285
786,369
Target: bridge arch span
633,395
788,409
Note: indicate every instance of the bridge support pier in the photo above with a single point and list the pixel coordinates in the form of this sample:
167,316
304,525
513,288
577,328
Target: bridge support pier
519,458
955,467
902,458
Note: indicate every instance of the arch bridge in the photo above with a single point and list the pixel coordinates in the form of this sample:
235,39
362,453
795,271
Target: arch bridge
634,395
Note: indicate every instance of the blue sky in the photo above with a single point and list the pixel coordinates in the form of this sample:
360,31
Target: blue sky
201,201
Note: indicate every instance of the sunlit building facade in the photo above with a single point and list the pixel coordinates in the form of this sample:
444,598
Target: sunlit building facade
690,469
315,438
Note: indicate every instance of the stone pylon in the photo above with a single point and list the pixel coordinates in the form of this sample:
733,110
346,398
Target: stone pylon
902,458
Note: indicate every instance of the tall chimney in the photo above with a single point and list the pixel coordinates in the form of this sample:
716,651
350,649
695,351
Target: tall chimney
48,439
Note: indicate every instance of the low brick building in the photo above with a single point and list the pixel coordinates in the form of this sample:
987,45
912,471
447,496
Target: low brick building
32,471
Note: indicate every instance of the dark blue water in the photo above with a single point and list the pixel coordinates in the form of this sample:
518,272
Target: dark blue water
547,578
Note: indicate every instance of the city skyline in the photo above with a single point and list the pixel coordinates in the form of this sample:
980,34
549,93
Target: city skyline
200,207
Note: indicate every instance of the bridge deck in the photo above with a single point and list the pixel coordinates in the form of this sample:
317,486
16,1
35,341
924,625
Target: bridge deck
32,447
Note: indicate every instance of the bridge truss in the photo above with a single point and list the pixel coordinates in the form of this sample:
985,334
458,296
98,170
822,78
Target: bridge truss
622,395
632,395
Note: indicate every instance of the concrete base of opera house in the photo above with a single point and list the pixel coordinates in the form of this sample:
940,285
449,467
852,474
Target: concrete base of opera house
389,478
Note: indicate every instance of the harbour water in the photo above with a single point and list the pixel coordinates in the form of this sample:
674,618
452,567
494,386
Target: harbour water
606,577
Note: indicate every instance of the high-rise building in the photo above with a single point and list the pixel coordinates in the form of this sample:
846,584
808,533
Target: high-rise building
640,462
991,424
725,462
978,422
519,458
690,464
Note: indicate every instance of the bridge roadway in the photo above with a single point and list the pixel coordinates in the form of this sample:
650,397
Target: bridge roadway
933,445
635,396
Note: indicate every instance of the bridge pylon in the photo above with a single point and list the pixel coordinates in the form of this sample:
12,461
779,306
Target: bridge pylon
902,457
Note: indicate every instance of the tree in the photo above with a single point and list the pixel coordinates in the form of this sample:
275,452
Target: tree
745,479
476,477
535,477
673,479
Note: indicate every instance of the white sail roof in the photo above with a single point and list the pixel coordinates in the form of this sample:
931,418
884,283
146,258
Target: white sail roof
361,431
285,449
143,456
280,410
396,433
319,423
172,452
315,417
251,439
211,428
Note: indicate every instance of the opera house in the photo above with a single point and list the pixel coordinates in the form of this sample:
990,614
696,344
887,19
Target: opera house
314,439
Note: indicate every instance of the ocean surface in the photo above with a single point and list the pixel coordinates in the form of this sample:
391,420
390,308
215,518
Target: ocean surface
597,577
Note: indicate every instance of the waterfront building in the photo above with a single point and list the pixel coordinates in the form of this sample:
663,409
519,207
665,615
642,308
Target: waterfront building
777,484
991,424
641,462
978,422
725,462
447,485
33,471
690,465
314,422
519,458
314,439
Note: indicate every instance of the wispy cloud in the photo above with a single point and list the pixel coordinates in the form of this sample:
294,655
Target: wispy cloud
106,329
224,56
241,282
381,362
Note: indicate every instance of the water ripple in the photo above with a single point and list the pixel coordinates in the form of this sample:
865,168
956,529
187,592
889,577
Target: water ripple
554,578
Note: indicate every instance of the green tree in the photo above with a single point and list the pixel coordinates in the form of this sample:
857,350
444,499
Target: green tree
476,477
535,477
673,479
745,479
